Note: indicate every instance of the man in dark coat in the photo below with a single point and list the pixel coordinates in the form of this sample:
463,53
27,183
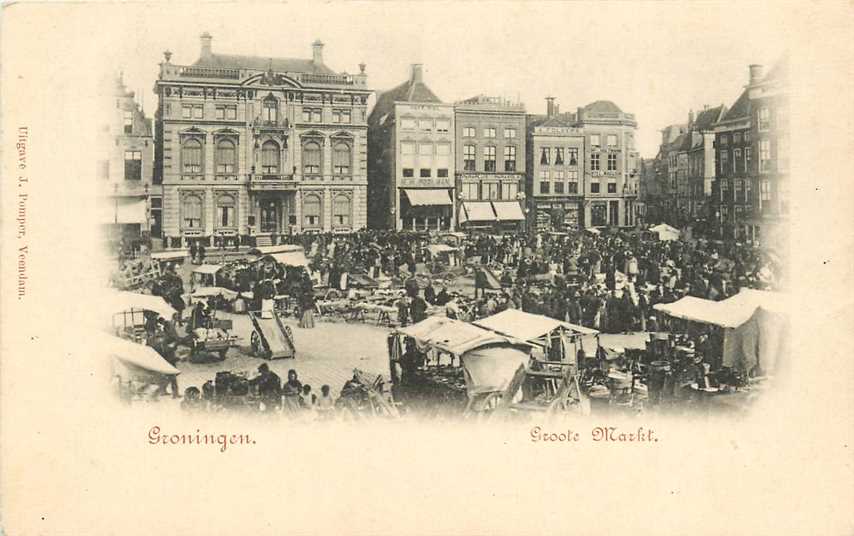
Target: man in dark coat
269,387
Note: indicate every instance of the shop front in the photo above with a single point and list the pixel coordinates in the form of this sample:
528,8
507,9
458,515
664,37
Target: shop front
556,215
125,221
426,209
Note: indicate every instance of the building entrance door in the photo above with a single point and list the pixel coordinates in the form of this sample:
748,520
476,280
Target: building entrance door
270,216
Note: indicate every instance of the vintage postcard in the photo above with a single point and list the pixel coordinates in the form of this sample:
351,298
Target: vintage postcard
426,268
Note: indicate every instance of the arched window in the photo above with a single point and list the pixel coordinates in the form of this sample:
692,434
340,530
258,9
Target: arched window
341,158
271,110
341,211
226,213
191,212
311,158
270,158
226,156
191,156
311,210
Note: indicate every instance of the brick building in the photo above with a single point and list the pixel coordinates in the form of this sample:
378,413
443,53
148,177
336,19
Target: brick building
130,200
555,169
412,163
252,148
732,194
769,112
490,164
701,162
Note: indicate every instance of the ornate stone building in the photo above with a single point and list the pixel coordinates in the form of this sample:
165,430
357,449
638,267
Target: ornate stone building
250,148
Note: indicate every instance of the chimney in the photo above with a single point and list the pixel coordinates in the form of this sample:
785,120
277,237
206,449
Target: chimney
690,118
417,75
206,45
317,52
550,106
756,73
557,109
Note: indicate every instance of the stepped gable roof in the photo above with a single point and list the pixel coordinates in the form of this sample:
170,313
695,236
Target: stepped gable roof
260,63
408,91
605,106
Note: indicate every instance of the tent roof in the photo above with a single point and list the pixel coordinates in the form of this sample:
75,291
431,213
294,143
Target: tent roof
120,301
136,355
526,326
207,269
269,250
291,258
454,336
440,248
729,313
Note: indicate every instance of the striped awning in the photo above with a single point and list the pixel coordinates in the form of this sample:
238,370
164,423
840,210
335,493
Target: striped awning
478,211
508,210
428,196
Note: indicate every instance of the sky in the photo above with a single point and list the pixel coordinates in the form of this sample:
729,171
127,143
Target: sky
656,60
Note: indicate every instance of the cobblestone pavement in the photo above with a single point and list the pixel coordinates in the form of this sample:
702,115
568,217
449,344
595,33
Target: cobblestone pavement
326,354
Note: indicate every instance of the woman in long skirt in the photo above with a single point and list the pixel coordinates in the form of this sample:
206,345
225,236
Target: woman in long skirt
307,306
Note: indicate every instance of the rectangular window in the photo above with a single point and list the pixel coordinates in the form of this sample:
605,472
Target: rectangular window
133,165
127,117
317,115
612,162
764,115
747,159
746,136
736,138
442,173
340,116
270,111
306,115
559,175
544,175
764,155
510,133
573,187
736,161
594,140
594,187
425,173
469,162
491,191
425,155
198,111
468,132
765,190
545,156
559,187
510,158
511,190
544,187
489,133
724,140
425,124
186,111
724,165
573,156
572,174
594,162
408,172
612,140
407,123
226,112
748,193
470,191
558,156
612,187
724,190
443,157
489,158
443,125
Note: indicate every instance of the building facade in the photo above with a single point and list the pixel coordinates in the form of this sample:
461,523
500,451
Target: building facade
769,111
555,168
701,163
130,200
251,149
611,172
490,164
412,164
732,195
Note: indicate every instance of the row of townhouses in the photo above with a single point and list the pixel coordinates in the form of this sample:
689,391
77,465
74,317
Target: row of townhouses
726,170
244,150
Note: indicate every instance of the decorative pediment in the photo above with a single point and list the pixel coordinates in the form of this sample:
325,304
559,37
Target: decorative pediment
193,132
313,134
271,78
343,134
226,132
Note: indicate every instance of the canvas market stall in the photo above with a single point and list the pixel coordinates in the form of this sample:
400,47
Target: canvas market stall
444,365
558,340
753,323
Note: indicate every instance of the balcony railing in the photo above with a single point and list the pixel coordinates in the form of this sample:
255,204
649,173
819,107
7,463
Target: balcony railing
270,181
209,72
